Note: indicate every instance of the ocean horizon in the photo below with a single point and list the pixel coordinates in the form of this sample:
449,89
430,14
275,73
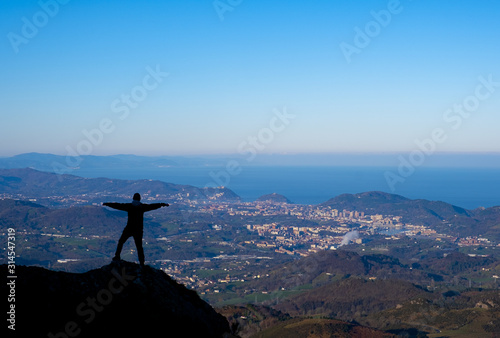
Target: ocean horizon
468,188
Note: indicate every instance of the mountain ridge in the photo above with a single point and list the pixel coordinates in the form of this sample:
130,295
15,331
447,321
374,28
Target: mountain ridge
442,216
67,190
42,185
274,197
391,204
119,299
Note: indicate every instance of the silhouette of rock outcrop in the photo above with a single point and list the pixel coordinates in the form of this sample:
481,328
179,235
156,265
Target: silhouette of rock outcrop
116,300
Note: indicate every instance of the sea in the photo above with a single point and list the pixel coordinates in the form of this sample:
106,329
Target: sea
468,188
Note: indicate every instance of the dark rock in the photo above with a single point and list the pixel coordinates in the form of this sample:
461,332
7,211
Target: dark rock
118,300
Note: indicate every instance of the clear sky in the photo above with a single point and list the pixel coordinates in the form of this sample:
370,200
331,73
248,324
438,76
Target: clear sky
205,77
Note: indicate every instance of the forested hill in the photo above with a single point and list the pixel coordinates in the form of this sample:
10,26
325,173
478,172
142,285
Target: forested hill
274,198
442,216
390,204
53,189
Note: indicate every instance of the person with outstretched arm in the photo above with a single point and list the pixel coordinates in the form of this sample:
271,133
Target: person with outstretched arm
135,223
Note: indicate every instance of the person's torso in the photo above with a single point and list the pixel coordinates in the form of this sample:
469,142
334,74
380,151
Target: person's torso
136,216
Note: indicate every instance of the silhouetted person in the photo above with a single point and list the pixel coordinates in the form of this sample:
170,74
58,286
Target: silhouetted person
135,223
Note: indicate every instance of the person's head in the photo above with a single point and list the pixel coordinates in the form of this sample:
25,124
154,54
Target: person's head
136,197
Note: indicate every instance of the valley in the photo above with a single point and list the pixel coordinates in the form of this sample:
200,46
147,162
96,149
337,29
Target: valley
367,258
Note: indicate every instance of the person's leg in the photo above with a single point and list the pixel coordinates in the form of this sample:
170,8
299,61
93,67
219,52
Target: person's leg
138,245
123,238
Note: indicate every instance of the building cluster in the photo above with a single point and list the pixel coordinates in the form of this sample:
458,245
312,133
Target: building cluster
297,240
473,240
301,212
190,273
303,240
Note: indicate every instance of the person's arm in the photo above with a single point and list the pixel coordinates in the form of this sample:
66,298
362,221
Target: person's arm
118,206
154,206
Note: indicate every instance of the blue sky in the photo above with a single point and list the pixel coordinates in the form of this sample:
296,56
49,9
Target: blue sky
68,66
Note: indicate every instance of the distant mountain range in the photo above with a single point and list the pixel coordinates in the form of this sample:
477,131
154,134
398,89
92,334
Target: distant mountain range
50,189
51,163
46,162
53,189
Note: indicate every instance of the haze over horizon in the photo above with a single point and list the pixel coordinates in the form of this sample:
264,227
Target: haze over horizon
249,77
361,159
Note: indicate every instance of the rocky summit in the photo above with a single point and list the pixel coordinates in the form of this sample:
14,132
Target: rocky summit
117,300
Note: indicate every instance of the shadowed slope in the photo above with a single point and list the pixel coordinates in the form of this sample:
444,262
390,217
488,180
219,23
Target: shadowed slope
119,299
